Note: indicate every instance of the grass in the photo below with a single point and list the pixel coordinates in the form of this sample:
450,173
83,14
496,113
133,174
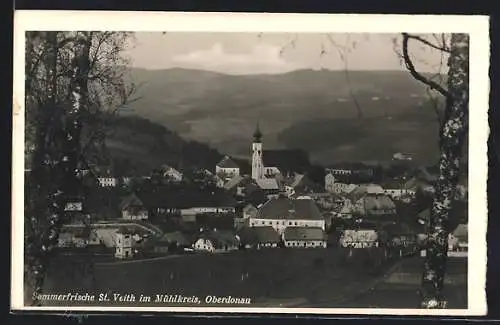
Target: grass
311,274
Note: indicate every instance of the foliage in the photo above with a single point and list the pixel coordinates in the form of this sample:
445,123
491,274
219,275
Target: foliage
73,82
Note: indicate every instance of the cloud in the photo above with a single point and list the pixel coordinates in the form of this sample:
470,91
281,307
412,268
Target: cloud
263,58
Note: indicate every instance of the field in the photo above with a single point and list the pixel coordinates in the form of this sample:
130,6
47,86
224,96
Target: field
400,290
313,276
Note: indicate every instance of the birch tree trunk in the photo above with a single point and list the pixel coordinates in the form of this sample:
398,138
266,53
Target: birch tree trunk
453,132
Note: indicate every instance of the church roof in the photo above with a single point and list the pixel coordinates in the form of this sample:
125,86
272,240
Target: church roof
233,182
285,208
227,162
286,160
267,183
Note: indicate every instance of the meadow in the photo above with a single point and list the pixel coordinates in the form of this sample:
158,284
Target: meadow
312,275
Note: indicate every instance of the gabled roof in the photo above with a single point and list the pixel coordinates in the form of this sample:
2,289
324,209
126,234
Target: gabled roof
131,200
294,181
233,182
227,162
221,237
256,235
429,174
415,183
304,233
267,183
461,232
285,208
365,189
378,202
249,207
176,237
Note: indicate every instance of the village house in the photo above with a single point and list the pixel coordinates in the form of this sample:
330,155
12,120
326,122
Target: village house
330,181
216,241
396,189
227,168
124,244
284,212
132,208
186,202
415,184
171,173
171,242
107,181
306,237
78,237
335,187
249,211
375,205
299,184
458,239
347,170
268,185
259,237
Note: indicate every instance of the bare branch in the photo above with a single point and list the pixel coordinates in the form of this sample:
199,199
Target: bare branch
426,42
409,65
341,50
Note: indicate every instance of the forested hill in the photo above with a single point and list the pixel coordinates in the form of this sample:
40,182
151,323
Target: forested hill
136,146
305,109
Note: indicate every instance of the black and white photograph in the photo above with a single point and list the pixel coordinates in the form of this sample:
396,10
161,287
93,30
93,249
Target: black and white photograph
250,163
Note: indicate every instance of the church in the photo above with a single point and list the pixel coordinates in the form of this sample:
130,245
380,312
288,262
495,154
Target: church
266,164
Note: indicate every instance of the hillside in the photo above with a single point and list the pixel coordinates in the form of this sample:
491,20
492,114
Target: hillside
305,108
137,145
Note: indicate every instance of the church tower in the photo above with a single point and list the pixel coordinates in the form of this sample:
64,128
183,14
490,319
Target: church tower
257,163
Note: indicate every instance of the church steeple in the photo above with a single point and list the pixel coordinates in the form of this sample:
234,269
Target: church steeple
257,135
257,163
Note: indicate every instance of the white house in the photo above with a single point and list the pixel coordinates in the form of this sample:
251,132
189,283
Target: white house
330,181
227,167
172,173
397,193
359,238
283,212
375,204
124,243
216,241
107,181
132,208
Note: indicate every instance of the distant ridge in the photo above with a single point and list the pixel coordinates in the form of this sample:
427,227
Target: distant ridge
220,110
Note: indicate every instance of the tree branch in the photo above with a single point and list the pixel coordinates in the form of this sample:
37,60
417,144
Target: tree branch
426,42
409,65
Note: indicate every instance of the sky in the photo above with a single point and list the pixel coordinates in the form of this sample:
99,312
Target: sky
252,53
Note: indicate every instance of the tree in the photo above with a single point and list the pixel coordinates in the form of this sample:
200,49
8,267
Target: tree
453,126
453,130
71,87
